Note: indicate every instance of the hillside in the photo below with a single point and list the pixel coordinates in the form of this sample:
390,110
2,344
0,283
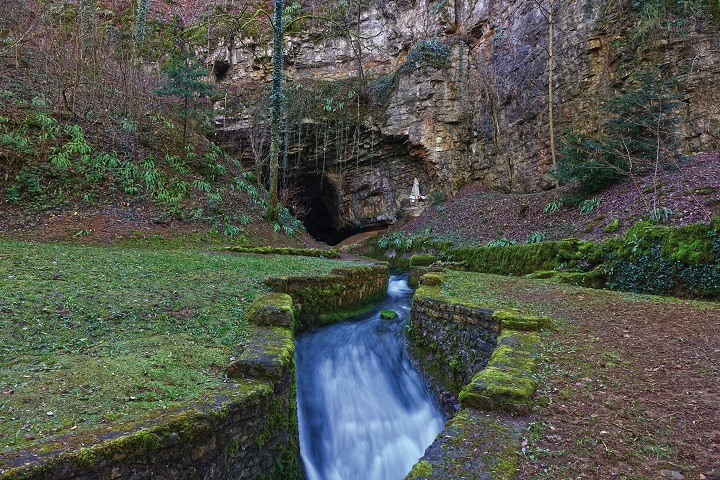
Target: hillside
106,130
476,215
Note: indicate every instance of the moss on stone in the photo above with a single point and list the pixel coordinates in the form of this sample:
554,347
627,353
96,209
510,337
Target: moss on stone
414,276
388,314
422,468
508,383
422,260
272,309
476,445
516,320
504,389
434,279
517,259
612,227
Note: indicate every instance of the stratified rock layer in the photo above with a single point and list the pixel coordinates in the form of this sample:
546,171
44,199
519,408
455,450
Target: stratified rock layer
481,117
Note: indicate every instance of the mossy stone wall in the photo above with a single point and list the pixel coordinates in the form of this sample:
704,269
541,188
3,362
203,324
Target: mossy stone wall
328,298
490,358
650,258
525,258
460,337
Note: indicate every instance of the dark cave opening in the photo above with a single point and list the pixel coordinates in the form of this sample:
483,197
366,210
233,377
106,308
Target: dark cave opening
318,201
220,70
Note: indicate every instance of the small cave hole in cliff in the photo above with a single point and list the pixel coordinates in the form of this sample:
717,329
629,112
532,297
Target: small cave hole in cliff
317,203
220,70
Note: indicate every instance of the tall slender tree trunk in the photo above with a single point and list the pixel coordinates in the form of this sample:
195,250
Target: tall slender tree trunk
277,95
551,99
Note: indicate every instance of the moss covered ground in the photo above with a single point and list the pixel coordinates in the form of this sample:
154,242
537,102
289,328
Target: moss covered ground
96,336
627,381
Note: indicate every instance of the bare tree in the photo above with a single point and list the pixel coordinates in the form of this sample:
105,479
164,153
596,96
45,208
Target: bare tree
550,14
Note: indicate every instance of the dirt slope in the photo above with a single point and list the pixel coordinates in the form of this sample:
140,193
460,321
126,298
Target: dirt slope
477,215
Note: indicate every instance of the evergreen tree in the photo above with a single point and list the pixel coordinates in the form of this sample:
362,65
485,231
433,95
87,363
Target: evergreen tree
639,136
185,78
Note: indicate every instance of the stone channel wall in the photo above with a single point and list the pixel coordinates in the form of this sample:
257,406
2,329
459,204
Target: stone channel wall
488,358
325,299
248,429
461,338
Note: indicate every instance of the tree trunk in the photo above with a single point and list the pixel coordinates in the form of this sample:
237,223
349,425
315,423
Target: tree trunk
551,100
276,107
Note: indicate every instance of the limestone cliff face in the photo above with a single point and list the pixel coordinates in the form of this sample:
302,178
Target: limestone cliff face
482,117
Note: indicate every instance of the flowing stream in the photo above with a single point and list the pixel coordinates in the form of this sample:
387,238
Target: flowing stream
364,411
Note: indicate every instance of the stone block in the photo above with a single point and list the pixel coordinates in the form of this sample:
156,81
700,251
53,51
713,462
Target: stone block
272,309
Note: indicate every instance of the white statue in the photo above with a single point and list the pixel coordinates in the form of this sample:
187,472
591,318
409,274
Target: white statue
415,192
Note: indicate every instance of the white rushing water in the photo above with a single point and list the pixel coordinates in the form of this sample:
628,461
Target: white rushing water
364,411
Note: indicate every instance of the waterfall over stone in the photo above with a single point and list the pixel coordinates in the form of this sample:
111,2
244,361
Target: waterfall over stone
364,411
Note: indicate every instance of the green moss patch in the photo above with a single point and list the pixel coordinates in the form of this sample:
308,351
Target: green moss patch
433,279
306,252
388,314
508,383
517,320
612,227
421,469
272,309
422,260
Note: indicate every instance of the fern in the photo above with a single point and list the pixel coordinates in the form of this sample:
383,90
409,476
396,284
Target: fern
553,207
587,206
60,159
201,185
535,237
501,242
230,230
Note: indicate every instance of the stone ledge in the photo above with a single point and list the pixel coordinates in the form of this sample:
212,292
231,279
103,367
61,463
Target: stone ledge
272,309
516,320
270,356
508,383
477,445
306,252
422,260
324,299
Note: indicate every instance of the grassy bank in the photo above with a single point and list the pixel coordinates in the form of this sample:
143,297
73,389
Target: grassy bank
627,380
93,336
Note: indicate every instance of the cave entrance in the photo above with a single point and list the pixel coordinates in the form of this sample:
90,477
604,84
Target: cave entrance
317,203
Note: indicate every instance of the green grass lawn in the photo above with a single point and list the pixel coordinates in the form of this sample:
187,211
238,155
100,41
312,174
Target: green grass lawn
91,336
